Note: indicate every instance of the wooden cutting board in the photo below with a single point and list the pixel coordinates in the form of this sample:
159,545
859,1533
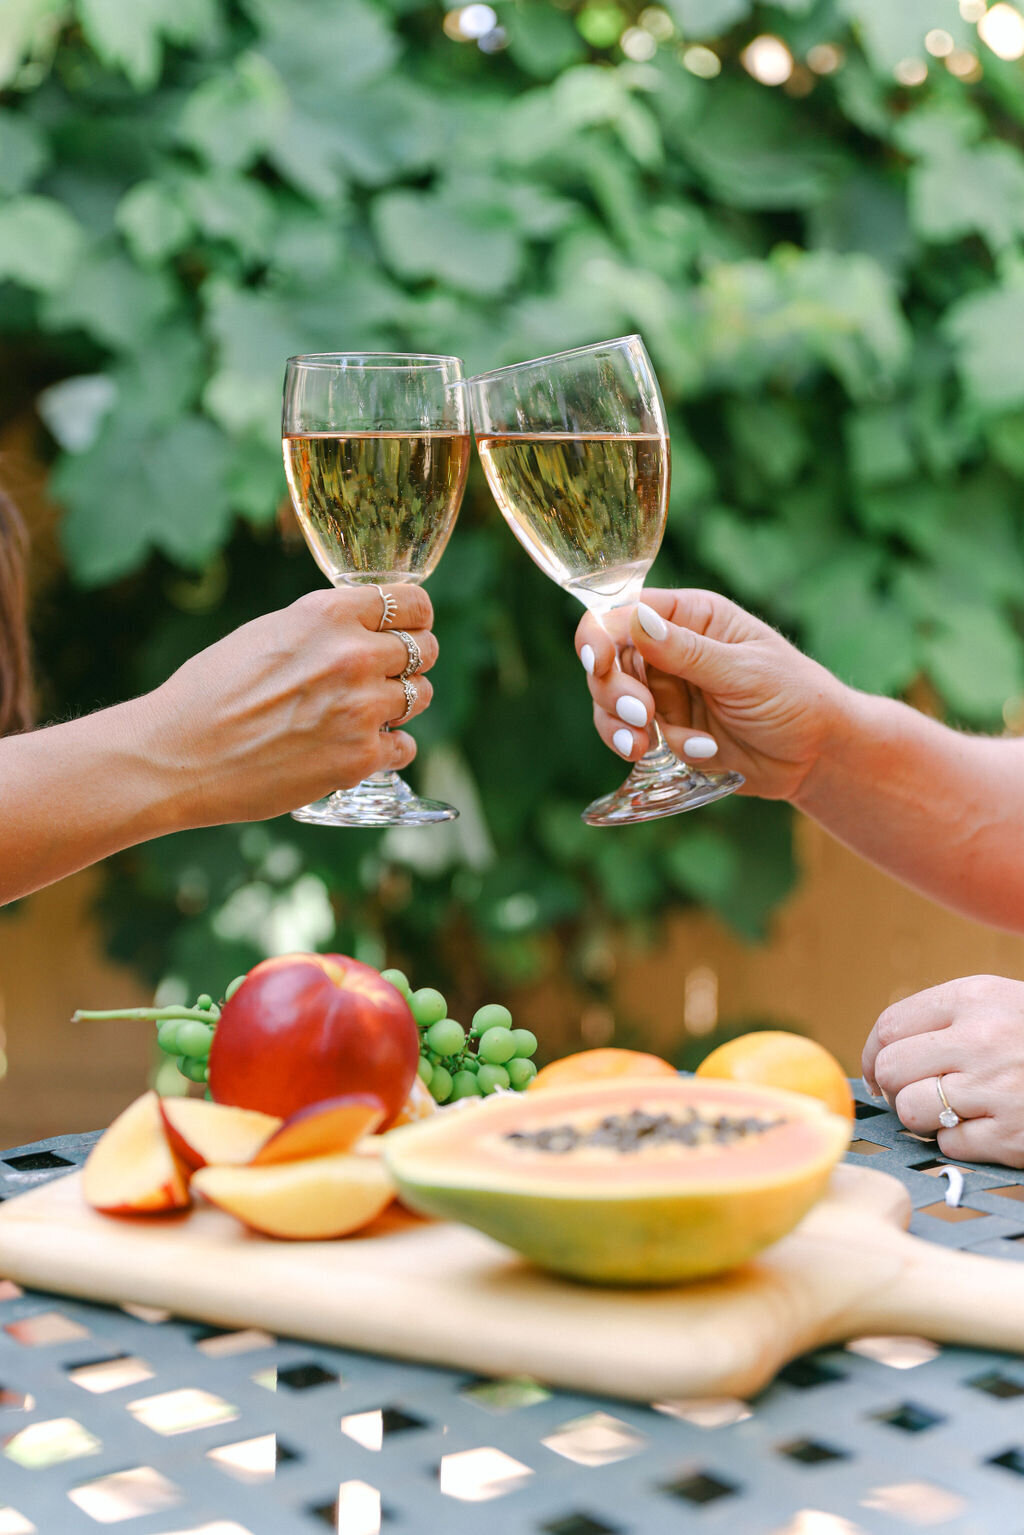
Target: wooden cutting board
848,1271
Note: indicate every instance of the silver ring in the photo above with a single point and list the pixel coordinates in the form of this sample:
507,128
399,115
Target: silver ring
948,1116
413,651
389,607
411,692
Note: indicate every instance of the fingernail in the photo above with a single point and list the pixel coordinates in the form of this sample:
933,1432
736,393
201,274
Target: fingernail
623,742
700,747
651,622
631,710
588,658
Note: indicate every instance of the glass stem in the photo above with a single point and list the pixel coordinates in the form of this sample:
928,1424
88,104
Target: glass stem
659,755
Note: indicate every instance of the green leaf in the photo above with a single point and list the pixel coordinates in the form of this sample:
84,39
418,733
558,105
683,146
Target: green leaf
140,488
879,446
452,236
991,369
24,152
699,19
231,118
891,33
867,639
970,191
254,333
28,26
745,148
755,559
75,409
39,243
113,300
975,660
322,48
228,207
542,40
769,434
704,864
128,34
154,221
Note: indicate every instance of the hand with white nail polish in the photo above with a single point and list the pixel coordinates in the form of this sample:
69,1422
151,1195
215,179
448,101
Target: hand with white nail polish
723,684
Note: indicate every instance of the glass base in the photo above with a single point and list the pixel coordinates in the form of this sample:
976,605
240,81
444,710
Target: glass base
649,793
383,800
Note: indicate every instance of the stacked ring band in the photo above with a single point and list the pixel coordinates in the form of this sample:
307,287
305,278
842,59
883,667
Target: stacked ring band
389,607
414,653
411,694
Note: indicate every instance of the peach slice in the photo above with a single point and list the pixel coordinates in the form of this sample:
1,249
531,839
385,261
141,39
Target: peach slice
322,1128
132,1170
201,1132
313,1200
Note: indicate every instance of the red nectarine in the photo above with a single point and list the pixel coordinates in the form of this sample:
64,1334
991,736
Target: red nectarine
305,1027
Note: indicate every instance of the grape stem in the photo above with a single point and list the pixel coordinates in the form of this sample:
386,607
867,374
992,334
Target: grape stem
150,1014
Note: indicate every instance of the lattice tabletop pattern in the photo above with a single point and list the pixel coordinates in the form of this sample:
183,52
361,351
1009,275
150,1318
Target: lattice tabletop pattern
131,1418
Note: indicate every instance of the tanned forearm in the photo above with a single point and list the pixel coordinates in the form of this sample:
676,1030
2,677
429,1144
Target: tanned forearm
943,812
75,793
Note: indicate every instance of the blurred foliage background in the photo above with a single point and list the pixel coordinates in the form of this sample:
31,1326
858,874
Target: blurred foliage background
813,211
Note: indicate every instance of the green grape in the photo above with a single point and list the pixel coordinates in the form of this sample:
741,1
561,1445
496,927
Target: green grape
465,1085
469,1063
230,990
204,1002
520,1072
428,1006
398,979
194,1039
497,1046
447,1037
194,1070
441,1084
491,1016
425,1070
526,1042
167,1035
490,1077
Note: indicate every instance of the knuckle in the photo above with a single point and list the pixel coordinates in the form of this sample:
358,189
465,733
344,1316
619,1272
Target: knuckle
318,606
887,1069
887,1027
424,692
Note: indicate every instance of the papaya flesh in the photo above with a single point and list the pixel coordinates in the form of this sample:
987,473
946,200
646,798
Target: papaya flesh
641,1182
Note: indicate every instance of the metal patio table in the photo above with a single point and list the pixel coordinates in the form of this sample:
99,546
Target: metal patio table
128,1418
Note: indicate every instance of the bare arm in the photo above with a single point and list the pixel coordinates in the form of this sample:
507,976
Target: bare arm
943,812
279,713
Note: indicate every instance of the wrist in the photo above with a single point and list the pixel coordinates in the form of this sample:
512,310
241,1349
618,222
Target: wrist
849,727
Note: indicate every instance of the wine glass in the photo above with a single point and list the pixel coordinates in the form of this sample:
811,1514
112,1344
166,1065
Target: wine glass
376,448
576,452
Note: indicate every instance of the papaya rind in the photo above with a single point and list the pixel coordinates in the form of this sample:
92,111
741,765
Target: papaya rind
644,1236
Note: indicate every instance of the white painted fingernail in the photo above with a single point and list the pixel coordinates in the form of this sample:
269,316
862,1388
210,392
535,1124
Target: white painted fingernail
623,742
588,658
631,710
651,622
700,748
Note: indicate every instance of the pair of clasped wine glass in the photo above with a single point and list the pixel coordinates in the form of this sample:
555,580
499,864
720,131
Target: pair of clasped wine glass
575,449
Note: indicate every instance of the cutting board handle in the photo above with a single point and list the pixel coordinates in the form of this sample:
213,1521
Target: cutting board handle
948,1296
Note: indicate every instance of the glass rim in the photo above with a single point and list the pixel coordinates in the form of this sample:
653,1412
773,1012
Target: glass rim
392,360
573,351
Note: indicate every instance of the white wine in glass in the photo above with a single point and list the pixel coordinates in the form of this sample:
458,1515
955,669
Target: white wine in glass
376,448
576,452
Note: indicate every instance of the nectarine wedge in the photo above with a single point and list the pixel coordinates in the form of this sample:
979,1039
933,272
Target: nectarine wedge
314,1200
201,1132
132,1170
322,1129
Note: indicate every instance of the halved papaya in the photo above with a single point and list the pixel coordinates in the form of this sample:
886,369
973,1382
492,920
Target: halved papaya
645,1181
